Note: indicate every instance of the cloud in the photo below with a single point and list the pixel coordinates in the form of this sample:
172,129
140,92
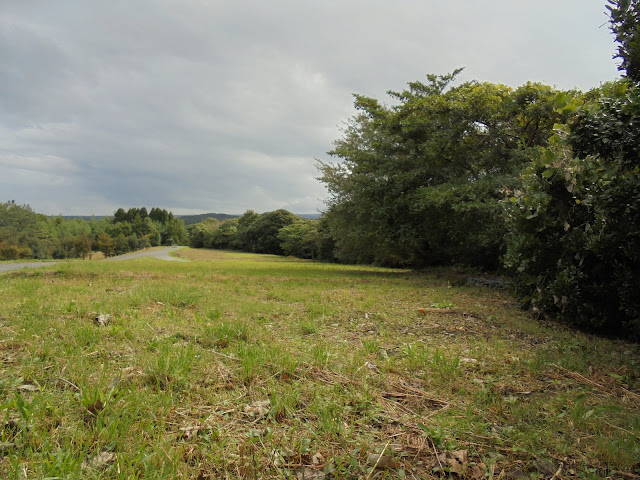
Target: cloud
201,106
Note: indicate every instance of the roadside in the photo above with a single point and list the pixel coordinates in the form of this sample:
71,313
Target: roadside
6,267
161,253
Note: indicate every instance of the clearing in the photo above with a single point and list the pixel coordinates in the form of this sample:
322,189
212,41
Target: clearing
234,365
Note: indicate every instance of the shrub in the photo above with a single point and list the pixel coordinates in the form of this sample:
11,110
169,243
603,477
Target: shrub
575,226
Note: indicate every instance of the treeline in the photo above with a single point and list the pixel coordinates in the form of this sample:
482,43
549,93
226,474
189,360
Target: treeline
26,234
279,232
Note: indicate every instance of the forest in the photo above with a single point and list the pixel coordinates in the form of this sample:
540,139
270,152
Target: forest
536,183
25,234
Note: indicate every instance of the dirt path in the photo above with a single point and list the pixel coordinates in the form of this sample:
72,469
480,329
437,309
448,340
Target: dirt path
161,253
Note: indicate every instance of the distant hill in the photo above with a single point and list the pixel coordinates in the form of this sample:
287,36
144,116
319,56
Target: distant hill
81,217
191,219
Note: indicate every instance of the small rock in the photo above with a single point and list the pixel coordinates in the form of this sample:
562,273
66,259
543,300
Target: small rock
103,319
190,432
372,366
468,360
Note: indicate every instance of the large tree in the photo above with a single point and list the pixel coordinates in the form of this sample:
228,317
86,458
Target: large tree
420,182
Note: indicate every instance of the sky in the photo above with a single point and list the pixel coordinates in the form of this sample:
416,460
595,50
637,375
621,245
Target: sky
219,106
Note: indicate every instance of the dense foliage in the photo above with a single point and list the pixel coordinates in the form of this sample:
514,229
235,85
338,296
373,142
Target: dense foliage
421,182
26,234
574,242
279,232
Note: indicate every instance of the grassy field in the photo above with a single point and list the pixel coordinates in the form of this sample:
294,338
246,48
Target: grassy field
245,366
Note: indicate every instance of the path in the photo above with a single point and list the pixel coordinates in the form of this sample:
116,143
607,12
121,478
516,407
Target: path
5,267
161,253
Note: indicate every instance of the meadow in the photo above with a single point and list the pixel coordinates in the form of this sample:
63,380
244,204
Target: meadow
250,366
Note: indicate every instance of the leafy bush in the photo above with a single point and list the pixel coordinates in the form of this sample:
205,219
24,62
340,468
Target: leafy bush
575,226
14,252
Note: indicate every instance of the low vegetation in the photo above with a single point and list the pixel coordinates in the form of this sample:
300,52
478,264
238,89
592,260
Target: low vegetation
236,365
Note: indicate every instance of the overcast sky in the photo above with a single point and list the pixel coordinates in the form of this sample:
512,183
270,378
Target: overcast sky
221,106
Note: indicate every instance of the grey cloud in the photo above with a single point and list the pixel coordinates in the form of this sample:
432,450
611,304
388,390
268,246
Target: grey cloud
223,106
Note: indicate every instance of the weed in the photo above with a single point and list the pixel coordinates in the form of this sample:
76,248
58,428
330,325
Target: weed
329,416
370,347
224,334
307,327
321,354
170,366
445,365
442,304
416,356
252,360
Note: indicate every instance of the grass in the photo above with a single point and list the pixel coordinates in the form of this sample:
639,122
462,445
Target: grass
245,366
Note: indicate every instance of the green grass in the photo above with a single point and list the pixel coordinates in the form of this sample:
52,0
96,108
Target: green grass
245,366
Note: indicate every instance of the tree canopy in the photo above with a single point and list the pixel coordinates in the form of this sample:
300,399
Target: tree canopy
420,182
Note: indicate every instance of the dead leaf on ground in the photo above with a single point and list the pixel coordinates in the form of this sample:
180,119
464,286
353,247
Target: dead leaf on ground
282,457
27,387
456,462
100,461
515,475
477,472
425,310
318,459
258,409
94,408
305,473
